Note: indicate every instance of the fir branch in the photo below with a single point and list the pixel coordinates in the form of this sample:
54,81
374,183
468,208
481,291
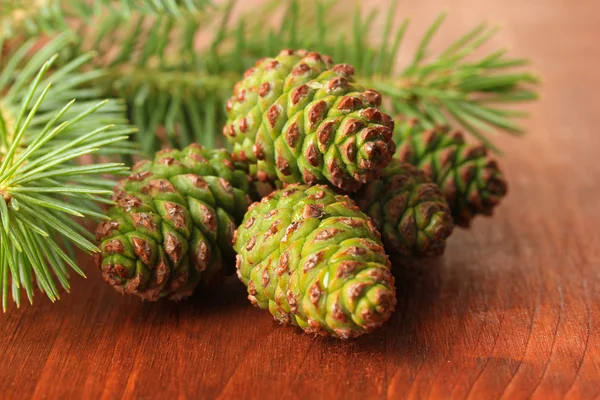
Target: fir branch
154,7
174,94
42,188
176,71
31,16
69,82
47,16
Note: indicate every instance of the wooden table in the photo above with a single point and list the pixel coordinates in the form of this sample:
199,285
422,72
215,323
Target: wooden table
512,310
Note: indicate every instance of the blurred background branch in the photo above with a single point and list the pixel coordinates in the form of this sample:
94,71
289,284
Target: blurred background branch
174,62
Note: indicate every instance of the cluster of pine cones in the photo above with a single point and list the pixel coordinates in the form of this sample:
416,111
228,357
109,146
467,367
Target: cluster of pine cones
336,181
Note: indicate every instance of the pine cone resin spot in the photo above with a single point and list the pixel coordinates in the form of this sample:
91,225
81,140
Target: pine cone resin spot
311,123
172,226
323,269
409,210
470,180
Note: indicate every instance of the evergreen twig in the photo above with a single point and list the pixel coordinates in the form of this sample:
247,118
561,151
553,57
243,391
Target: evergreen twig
42,188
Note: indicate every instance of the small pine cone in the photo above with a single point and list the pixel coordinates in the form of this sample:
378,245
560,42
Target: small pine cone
298,118
173,223
316,261
409,210
470,179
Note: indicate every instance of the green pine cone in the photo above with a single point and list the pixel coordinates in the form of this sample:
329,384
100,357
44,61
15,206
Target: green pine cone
316,261
173,223
471,181
299,118
409,210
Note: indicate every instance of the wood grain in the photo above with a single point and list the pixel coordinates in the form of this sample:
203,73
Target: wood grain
511,311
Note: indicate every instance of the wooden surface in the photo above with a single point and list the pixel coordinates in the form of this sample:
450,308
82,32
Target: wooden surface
511,311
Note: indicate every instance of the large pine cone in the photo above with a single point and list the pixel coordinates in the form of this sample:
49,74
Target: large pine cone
299,118
173,223
316,261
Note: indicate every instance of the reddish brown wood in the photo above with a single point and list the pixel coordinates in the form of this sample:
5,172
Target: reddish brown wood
511,311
